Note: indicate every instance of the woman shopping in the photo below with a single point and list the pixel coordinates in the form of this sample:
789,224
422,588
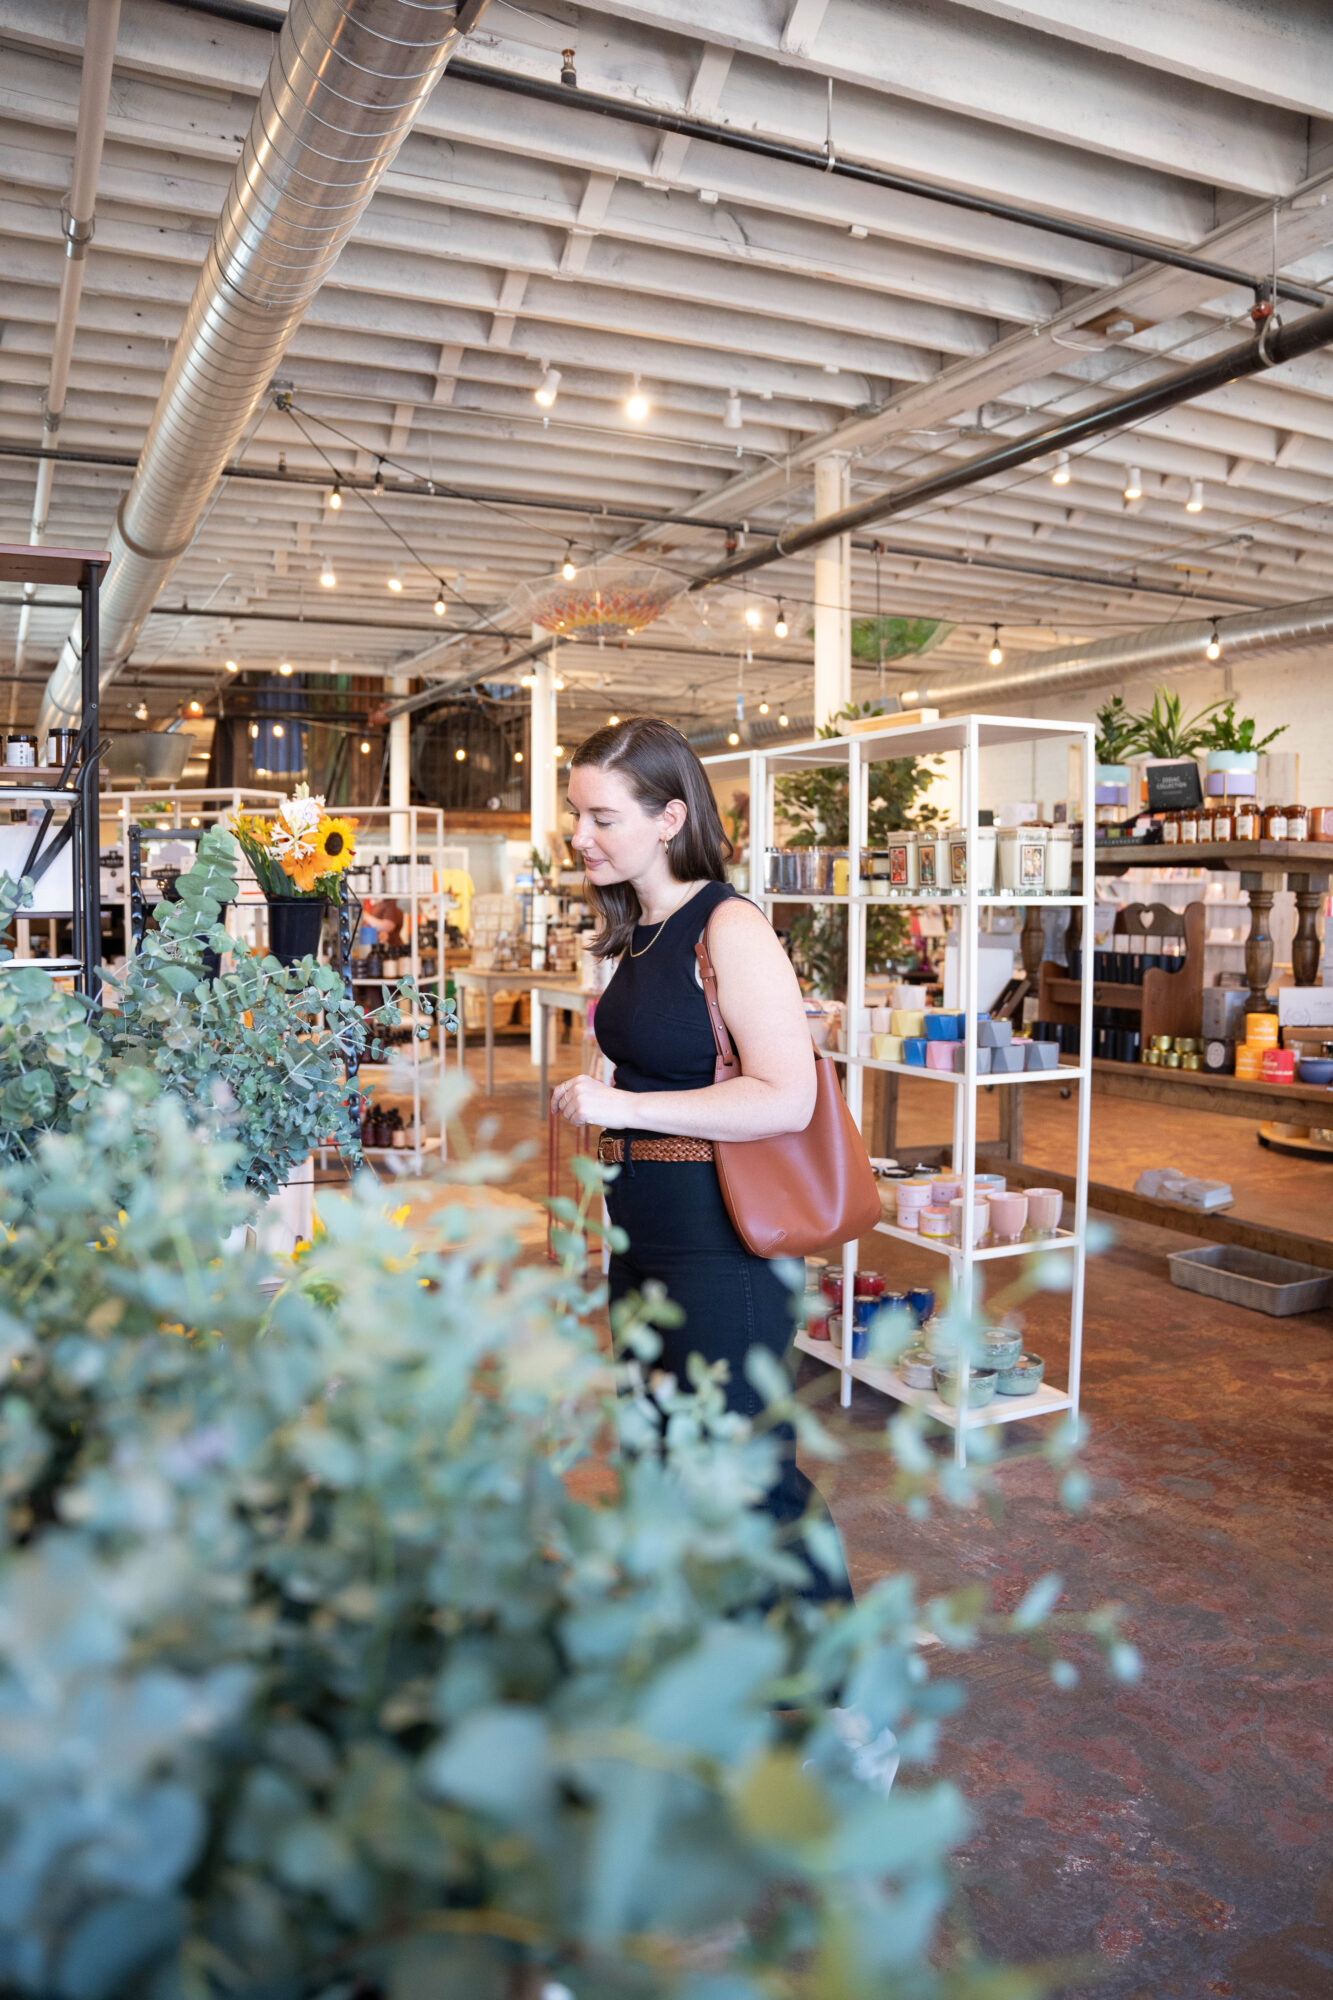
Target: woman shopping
652,845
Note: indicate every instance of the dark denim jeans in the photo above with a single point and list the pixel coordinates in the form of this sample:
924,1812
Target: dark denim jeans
680,1233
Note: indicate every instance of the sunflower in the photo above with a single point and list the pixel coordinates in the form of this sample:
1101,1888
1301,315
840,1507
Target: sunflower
333,845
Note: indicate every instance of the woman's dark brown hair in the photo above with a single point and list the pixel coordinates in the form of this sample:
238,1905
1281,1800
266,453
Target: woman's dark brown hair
658,765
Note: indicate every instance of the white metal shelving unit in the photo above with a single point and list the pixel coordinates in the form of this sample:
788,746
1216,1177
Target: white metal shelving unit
968,737
378,828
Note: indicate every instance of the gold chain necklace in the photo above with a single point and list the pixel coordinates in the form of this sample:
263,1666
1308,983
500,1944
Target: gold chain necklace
662,926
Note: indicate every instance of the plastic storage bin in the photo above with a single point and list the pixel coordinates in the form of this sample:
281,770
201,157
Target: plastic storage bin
1274,1285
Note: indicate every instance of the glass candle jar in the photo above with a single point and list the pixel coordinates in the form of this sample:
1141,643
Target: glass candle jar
1298,823
1189,829
1022,855
1275,823
1060,861
1171,830
1224,820
1247,819
902,848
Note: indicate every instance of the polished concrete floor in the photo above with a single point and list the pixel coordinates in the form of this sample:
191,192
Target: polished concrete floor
1174,1838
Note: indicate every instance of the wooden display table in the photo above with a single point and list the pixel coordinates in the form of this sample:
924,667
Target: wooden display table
488,984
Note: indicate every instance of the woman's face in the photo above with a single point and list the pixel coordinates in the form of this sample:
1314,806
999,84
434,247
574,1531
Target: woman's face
618,840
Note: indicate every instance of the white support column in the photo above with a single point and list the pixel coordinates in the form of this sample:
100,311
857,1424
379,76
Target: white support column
544,802
833,594
400,773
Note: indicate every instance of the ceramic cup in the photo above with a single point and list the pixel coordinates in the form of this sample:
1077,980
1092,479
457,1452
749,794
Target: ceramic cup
1045,1206
934,1222
1008,1214
980,1219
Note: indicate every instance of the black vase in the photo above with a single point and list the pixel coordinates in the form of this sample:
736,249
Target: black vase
294,925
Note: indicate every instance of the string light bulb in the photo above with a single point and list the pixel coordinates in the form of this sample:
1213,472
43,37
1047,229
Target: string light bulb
396,580
637,405
254,731
460,756
548,388
518,756
732,737
231,666
378,488
196,708
763,708
365,748
782,722
335,496
1194,505
569,569
1061,475
326,575
1134,484
284,667
1213,650
613,720
753,616
278,729
440,606
996,653
559,749
781,628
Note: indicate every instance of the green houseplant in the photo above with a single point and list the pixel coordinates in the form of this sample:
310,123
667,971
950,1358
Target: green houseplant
1233,750
1165,733
813,806
322,1677
1115,741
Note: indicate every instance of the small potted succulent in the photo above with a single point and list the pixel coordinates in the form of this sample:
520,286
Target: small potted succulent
1233,752
1114,743
298,856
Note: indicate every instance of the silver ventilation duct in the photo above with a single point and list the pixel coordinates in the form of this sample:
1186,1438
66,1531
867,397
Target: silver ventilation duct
1161,649
347,80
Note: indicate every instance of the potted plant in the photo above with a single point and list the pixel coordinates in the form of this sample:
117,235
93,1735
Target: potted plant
1233,753
1115,742
298,857
1164,734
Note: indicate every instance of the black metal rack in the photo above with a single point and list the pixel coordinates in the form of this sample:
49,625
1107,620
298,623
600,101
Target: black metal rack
76,786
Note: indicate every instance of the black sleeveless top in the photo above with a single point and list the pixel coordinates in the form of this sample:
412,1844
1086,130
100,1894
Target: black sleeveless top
652,1020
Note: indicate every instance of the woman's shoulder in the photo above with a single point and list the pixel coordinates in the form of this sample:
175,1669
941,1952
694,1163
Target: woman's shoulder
735,917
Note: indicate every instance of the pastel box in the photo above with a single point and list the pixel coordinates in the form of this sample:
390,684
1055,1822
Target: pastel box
1043,1055
907,1021
944,1027
1009,1061
914,1050
942,1055
994,1034
887,1048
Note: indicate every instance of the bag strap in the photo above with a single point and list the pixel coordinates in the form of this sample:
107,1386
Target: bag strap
727,1065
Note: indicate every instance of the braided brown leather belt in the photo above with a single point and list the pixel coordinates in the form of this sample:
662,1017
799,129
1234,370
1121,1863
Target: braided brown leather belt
611,1152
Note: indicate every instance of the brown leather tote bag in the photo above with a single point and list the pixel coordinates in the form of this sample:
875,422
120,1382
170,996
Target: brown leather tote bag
803,1192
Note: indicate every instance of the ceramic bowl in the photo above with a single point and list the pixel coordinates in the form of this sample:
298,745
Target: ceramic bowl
981,1386
1002,1348
1024,1377
917,1368
1315,1069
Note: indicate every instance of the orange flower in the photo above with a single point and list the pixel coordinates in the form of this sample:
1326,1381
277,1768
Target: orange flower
302,870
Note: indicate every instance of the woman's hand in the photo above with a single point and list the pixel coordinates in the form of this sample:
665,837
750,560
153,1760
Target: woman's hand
585,1101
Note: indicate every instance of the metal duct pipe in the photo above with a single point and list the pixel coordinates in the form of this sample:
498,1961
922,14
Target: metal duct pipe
1160,649
99,54
346,83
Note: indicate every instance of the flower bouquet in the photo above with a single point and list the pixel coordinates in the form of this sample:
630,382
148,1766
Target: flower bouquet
298,855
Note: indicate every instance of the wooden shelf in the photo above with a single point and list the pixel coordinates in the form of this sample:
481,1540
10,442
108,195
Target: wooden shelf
1115,856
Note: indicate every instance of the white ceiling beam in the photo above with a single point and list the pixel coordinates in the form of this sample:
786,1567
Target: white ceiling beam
1009,77
804,20
1282,57
401,429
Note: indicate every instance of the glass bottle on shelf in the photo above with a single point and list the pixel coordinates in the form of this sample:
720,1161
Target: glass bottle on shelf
1224,820
1247,819
1298,823
1171,830
1275,823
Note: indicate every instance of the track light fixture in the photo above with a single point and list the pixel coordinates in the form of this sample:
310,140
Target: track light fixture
996,653
637,405
569,569
548,388
780,628
731,419
1133,484
1194,505
1213,649
1061,475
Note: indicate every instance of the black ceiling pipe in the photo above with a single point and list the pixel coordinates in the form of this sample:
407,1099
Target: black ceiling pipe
256,16
1275,345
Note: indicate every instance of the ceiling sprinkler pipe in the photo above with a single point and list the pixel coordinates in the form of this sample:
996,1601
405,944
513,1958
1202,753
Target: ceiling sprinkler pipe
347,80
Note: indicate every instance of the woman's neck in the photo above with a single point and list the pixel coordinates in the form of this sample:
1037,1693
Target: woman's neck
661,894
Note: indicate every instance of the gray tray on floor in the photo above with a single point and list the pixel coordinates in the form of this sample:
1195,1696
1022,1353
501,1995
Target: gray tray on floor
1250,1278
